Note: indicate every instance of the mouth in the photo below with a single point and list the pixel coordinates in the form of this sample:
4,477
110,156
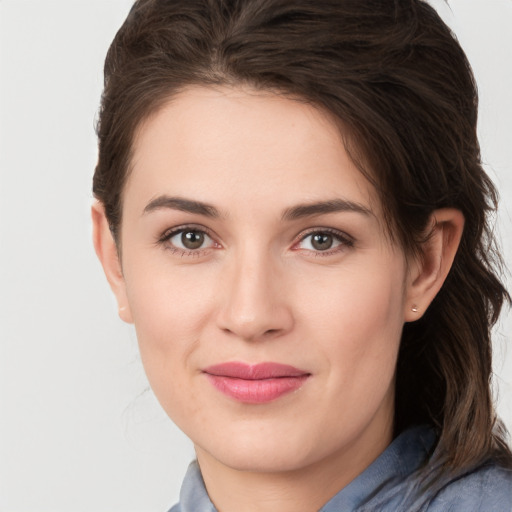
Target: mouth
255,384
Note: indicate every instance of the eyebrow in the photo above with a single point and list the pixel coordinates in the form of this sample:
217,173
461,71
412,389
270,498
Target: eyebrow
332,206
296,212
181,204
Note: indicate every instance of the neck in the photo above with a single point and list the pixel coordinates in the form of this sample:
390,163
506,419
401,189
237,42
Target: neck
298,490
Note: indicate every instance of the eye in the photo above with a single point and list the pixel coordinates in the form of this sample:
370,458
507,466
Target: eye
188,239
324,241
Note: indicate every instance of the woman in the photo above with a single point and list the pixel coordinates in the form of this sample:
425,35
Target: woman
292,212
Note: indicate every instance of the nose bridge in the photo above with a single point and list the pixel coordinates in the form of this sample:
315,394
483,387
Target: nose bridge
255,297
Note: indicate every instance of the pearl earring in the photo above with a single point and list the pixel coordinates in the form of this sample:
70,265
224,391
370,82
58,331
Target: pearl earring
414,308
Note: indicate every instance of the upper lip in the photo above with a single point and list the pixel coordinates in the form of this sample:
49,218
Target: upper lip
259,371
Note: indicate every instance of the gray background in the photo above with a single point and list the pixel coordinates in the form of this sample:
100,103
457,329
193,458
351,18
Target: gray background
79,431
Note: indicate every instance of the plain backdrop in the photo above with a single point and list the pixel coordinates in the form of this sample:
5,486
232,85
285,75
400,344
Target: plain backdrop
79,429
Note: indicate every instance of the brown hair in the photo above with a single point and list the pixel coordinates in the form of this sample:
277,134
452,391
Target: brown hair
395,76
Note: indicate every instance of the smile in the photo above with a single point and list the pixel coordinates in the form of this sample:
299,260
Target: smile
255,384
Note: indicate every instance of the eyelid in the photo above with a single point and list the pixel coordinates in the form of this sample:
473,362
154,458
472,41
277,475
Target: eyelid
166,236
345,239
170,232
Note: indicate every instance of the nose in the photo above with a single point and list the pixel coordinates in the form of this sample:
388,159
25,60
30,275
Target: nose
254,303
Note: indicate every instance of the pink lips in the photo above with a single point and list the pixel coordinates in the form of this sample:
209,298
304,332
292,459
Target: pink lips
255,384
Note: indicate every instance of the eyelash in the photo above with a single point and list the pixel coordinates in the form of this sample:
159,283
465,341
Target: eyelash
344,240
169,234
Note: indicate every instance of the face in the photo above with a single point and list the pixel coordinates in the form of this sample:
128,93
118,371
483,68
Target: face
267,297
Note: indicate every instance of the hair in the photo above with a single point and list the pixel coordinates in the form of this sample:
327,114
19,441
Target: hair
399,83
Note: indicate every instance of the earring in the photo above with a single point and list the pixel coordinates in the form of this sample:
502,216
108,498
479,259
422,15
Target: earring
414,308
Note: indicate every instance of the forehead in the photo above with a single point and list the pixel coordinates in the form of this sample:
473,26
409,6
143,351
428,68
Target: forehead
243,147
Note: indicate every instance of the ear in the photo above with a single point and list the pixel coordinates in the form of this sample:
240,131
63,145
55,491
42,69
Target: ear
107,252
428,271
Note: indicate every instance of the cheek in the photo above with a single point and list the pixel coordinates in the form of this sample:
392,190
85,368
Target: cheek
170,308
169,320
357,317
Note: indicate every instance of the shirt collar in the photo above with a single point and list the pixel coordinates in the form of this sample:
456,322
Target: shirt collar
403,457
193,495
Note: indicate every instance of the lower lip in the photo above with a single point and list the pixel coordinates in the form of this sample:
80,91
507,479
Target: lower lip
257,391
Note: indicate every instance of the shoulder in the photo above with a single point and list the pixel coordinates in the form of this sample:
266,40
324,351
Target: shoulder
487,488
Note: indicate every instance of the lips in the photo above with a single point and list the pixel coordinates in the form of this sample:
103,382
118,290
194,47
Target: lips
255,384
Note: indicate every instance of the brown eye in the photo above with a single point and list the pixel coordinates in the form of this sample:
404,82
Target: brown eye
188,239
325,241
321,241
192,239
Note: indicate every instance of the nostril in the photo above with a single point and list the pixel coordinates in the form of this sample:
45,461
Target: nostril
251,317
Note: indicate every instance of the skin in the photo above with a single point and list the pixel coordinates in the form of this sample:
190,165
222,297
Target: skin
258,290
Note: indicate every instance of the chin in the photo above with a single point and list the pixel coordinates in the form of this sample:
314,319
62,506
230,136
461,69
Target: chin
269,454
259,461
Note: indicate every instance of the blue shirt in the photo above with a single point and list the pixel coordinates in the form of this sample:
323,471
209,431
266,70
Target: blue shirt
391,484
